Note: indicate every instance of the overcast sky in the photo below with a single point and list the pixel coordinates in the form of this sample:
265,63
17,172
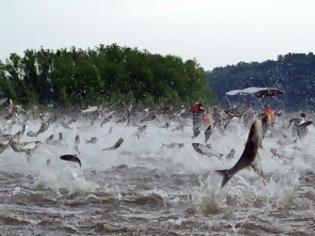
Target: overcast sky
215,32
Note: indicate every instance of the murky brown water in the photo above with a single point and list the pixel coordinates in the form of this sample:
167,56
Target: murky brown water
143,188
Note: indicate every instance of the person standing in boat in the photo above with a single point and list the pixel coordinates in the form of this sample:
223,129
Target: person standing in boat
198,112
271,114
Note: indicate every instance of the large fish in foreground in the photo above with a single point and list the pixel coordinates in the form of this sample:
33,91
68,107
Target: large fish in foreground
248,156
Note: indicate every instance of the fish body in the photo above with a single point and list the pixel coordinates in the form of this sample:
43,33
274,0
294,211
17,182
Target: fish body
172,145
302,131
44,126
60,138
179,127
16,146
106,119
254,141
16,137
3,100
274,152
116,145
24,127
50,139
65,125
110,130
91,140
121,120
208,132
76,143
295,121
30,145
90,110
167,125
77,139
286,141
69,157
196,132
59,141
306,123
302,128
201,148
140,130
31,134
149,117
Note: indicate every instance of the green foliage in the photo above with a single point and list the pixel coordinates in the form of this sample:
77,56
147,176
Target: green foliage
109,75
293,73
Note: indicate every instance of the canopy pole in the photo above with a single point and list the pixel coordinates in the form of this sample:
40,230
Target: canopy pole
228,102
259,100
281,102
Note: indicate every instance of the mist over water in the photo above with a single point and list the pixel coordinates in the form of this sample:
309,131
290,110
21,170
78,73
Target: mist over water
145,188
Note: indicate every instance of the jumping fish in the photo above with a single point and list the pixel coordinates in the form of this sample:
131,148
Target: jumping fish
31,134
172,145
44,126
3,100
58,141
254,141
91,140
107,118
208,132
140,130
90,110
110,130
76,143
116,145
121,120
50,139
201,148
302,128
69,157
65,125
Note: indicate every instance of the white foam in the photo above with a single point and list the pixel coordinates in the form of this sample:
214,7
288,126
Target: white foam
283,173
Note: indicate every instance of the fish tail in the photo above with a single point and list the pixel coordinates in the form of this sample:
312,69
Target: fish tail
226,176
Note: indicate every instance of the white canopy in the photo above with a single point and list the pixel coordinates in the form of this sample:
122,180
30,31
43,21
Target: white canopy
257,91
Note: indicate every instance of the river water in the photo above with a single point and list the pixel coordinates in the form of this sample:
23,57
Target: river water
144,188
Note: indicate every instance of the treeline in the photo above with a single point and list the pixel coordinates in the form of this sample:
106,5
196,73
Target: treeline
112,75
293,73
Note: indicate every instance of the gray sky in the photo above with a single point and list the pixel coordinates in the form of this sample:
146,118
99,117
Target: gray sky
215,32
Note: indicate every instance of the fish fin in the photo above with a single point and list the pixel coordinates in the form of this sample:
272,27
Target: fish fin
226,176
78,160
